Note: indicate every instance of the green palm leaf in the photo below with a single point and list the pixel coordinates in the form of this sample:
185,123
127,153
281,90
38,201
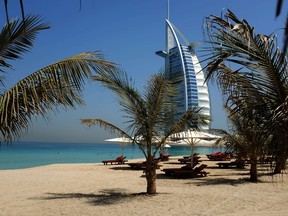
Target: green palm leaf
16,38
252,73
57,85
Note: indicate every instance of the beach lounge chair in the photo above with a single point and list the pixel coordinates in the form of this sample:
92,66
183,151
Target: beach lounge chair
237,164
164,157
118,160
169,171
195,172
267,160
143,165
219,156
188,159
186,172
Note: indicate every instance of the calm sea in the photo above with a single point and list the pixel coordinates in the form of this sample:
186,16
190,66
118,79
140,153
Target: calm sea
31,154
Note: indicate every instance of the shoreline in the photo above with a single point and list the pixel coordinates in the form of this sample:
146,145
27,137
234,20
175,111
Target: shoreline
24,155
97,189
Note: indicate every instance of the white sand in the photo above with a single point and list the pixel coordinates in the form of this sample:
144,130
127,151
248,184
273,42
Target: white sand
95,189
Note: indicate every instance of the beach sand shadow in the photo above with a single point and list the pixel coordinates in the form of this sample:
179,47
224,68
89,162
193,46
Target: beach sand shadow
173,162
122,168
219,181
105,196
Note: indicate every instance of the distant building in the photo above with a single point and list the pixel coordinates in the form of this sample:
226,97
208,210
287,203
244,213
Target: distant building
181,59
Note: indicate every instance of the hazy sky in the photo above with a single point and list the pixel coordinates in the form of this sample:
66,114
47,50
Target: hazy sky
128,32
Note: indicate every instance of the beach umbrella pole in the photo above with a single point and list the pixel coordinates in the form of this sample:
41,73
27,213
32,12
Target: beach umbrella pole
192,155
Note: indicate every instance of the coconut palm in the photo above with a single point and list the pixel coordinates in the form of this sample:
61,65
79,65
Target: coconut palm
246,140
252,73
149,115
54,86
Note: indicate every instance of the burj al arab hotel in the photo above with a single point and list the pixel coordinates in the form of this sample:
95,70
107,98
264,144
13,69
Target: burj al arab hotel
181,59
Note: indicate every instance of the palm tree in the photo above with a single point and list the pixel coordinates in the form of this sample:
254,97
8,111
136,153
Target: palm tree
247,139
54,86
252,73
149,116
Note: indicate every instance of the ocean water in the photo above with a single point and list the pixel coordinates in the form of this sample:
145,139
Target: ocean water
31,154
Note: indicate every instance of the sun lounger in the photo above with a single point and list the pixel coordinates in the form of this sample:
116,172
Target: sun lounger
169,171
238,164
185,167
118,160
187,173
188,159
164,157
219,156
143,165
267,160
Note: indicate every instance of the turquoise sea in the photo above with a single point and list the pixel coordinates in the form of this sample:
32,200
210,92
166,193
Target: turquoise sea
31,154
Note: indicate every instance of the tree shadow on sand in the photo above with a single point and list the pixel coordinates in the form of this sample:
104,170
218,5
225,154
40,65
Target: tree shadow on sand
105,196
219,181
122,168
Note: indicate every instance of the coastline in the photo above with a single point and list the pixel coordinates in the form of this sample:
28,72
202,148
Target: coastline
32,154
95,189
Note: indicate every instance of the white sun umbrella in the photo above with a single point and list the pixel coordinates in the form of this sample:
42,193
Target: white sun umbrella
120,140
167,146
198,142
195,134
123,141
195,138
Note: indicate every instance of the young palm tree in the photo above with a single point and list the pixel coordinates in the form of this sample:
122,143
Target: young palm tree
252,73
247,139
54,86
149,116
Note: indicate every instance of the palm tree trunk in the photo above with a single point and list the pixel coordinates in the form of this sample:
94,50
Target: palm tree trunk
151,176
253,168
281,148
279,165
151,181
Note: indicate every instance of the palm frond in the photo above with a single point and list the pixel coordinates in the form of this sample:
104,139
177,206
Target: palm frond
57,85
17,38
192,119
241,46
235,43
159,94
129,98
88,122
252,74
21,6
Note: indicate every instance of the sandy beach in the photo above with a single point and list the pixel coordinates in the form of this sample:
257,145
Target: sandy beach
95,189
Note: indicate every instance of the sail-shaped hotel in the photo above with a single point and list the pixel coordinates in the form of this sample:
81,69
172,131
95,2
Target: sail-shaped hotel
181,58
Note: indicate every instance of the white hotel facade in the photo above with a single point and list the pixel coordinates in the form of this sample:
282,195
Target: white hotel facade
181,59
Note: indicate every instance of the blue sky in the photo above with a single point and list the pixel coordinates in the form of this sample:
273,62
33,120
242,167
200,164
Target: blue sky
128,32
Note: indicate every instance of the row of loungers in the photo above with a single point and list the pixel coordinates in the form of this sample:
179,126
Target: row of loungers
189,171
241,163
186,171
